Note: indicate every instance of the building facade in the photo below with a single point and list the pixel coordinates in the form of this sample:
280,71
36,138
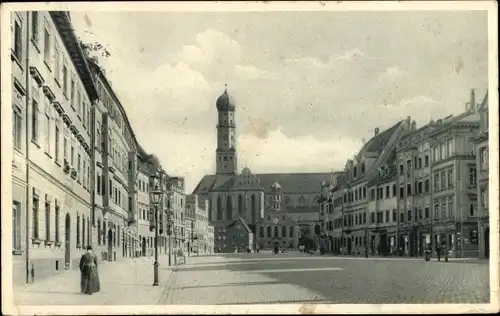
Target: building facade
482,167
232,194
276,229
74,167
235,237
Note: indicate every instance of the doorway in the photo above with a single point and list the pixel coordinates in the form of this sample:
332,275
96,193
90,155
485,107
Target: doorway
67,242
110,245
143,246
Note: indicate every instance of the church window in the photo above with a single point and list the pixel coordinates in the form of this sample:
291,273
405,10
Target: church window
225,157
240,204
261,231
276,231
219,209
268,232
254,210
283,231
229,209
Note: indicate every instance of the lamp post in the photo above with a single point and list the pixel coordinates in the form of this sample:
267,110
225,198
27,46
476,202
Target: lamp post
156,195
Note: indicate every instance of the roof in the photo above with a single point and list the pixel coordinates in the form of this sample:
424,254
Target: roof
291,183
62,22
378,142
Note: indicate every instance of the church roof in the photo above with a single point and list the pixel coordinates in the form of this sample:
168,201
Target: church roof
225,102
291,183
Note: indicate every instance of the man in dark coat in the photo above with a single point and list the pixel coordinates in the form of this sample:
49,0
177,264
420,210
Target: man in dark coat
89,278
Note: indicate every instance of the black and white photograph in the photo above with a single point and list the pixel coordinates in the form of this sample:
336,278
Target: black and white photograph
249,157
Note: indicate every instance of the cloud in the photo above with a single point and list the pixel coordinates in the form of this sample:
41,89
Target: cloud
279,153
346,56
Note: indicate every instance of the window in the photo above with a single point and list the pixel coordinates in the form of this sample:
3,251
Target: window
449,145
387,192
18,40
79,104
57,62
401,191
57,143
394,190
401,169
419,188
437,186
472,208
394,216
437,211
409,215
484,198
17,128
364,193
268,231
84,174
443,151
72,94
65,149
372,194
408,168
283,231
65,78
35,27
47,133
373,217
72,156
35,112
426,160
419,162
472,176
58,215
387,219
84,113
420,214
483,158
427,185
35,218
427,211
449,174
435,154
16,225
47,221
443,208
444,185
46,48
401,217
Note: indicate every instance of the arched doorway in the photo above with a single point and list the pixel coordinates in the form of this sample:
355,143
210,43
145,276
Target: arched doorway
67,242
487,243
110,245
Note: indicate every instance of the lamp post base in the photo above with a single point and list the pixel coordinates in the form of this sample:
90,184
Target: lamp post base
155,265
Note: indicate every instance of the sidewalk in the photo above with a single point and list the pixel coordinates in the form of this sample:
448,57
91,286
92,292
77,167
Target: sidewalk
126,282
455,260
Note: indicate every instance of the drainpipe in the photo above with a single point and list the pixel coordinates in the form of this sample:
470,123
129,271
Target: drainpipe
92,168
27,143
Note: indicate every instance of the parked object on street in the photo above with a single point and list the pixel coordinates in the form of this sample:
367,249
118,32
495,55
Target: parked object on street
89,277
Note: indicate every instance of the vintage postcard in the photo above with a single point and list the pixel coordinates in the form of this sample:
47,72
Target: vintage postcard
249,157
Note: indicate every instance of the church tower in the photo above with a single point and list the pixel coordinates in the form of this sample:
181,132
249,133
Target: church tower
225,154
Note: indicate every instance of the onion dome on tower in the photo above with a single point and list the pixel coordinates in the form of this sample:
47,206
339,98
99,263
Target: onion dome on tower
225,102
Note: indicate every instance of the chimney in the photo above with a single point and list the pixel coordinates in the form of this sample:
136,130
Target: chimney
376,131
472,103
413,125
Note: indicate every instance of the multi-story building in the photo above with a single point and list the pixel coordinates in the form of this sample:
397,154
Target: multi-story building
197,205
382,210
375,154
116,166
326,205
277,228
177,207
482,167
235,237
144,212
74,167
190,223
413,185
21,119
454,180
53,93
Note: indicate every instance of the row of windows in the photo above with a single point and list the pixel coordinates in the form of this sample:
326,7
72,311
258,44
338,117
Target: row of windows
443,150
443,180
380,193
284,229
356,195
417,163
229,207
56,62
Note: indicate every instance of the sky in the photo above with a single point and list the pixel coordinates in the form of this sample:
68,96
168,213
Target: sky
310,87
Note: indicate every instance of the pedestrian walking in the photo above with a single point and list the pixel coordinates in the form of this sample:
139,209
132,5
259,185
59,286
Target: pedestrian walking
89,277
438,252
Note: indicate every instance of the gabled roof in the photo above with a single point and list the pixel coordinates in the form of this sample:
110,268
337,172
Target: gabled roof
378,142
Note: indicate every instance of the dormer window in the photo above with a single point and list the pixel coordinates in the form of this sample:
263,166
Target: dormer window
355,172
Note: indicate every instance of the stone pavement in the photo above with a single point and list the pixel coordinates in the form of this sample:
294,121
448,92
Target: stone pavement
125,282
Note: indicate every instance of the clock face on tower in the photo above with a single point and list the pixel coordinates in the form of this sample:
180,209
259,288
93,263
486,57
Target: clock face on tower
275,220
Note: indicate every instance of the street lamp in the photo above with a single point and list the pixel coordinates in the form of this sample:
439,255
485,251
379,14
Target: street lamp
156,195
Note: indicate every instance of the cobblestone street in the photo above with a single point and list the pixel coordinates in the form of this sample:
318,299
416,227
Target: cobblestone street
296,278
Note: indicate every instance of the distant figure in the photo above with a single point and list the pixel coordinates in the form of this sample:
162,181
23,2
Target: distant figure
438,252
89,278
248,250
